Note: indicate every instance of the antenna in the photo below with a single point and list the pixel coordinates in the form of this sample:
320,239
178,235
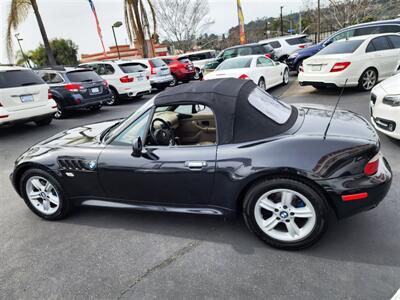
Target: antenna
334,110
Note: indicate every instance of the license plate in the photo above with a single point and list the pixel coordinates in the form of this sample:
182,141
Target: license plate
164,72
95,90
140,78
316,67
26,98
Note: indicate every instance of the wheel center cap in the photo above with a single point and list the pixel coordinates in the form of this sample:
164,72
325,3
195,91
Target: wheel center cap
43,195
283,214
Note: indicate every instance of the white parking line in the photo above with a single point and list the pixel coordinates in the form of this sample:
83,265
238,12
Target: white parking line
396,296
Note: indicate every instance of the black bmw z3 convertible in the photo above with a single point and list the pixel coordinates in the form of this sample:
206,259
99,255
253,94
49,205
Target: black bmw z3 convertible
219,147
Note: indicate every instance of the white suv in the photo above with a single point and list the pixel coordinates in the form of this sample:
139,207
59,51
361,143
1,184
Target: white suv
160,74
126,79
24,97
286,45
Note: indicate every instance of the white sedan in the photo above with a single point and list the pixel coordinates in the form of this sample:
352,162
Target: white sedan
265,72
361,61
385,107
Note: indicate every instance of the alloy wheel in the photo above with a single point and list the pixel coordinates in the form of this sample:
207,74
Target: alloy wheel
286,76
59,113
42,195
112,100
368,80
196,75
285,215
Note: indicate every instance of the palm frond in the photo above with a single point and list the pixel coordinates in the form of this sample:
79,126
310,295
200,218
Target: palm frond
19,10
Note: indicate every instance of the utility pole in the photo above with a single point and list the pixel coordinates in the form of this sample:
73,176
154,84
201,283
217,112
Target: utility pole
300,29
22,52
282,21
319,22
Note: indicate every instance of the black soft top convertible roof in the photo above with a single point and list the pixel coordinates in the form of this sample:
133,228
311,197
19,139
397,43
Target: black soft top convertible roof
237,120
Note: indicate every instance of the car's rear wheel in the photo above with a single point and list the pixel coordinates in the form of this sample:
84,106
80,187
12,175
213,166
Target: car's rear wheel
261,84
114,98
368,79
285,79
174,82
43,195
44,122
285,213
197,74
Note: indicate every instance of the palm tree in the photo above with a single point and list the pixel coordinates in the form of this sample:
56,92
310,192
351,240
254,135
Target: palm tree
137,24
19,10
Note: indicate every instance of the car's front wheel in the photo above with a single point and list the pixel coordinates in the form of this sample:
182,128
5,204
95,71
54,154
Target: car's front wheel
114,98
285,79
43,195
261,84
285,213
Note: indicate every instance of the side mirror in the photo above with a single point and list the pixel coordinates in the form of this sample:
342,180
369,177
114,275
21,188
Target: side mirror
137,147
220,59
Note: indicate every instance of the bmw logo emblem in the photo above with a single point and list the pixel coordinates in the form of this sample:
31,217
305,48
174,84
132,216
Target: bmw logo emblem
91,165
283,214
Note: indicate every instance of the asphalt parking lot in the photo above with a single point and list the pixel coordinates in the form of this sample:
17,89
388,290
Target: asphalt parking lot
120,254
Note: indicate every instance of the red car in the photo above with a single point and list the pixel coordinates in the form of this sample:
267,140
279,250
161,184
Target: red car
182,69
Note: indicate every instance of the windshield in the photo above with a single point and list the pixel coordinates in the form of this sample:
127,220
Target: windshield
238,63
132,67
271,107
18,78
83,75
341,47
117,129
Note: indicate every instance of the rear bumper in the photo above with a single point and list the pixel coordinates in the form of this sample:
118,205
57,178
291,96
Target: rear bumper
376,186
161,80
185,74
88,102
27,115
335,79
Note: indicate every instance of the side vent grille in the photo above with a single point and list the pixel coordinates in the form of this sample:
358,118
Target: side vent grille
71,164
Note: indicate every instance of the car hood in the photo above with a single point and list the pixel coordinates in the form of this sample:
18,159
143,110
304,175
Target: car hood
83,136
391,85
345,124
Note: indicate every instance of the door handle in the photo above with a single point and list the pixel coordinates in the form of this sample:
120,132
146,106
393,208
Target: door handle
196,165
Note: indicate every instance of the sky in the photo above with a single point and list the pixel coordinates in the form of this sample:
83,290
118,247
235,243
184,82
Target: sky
74,20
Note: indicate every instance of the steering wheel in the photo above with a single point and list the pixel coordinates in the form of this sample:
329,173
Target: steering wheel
164,135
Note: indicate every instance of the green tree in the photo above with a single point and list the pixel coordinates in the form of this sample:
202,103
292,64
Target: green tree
65,53
19,10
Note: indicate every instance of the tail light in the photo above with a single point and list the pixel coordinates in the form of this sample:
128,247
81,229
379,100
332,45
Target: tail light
126,79
73,87
49,95
340,66
152,70
371,168
243,76
268,55
302,46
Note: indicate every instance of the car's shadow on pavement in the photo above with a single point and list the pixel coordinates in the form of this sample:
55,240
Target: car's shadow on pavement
357,239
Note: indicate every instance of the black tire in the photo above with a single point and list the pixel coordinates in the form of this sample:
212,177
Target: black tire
173,82
64,205
114,98
297,68
96,107
286,77
261,83
61,112
44,122
361,85
197,75
315,198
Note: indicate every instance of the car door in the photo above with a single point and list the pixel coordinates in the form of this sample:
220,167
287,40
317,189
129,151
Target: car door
174,175
395,41
269,71
383,55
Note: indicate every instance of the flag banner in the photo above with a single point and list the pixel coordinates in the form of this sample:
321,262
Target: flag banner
242,35
98,25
